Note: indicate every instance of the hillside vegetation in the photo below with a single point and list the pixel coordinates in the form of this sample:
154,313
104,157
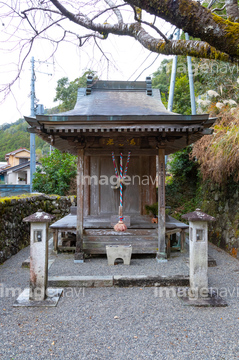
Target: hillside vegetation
14,136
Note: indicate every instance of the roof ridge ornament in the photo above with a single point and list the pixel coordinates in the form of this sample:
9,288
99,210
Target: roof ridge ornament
89,84
149,91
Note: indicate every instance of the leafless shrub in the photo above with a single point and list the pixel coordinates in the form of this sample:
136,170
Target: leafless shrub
218,154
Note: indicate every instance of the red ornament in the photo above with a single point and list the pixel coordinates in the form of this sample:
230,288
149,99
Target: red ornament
120,226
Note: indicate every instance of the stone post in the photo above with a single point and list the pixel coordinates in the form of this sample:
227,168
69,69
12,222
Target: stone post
198,252
38,254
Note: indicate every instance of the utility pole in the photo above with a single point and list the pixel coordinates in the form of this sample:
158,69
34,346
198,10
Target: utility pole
35,110
191,84
172,84
173,80
173,77
32,136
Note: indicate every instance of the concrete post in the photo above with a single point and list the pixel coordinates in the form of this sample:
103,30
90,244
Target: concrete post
32,136
38,254
38,261
191,84
173,78
198,257
38,294
198,252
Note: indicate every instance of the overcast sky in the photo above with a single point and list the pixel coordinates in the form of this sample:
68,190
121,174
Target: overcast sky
128,57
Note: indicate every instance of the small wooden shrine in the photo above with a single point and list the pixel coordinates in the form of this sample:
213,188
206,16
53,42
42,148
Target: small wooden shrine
111,118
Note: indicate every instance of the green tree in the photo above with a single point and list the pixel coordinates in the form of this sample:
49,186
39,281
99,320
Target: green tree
66,91
207,74
182,167
161,79
56,173
181,103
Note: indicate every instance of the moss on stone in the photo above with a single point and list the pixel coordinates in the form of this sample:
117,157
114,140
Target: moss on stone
14,233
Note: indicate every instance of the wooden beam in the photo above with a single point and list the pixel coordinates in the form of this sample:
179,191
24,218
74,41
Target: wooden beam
79,256
117,151
161,254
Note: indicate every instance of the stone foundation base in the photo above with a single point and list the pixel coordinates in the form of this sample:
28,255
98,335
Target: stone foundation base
213,300
79,257
51,300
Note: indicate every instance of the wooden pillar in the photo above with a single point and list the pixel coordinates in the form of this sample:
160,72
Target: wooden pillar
182,240
161,254
55,240
79,255
86,186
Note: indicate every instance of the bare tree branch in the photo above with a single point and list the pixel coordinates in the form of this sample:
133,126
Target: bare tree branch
104,11
232,10
219,38
180,47
212,2
147,67
150,25
115,10
197,21
40,9
219,9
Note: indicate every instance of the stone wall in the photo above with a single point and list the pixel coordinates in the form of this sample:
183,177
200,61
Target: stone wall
222,202
14,233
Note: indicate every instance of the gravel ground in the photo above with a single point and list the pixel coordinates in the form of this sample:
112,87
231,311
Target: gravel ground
177,265
120,323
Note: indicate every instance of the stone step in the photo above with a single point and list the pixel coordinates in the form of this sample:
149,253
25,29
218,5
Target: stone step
117,280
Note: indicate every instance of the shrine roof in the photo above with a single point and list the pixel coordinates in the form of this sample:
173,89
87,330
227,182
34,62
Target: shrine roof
117,101
119,109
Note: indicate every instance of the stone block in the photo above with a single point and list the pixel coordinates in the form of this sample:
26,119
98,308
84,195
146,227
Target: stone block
50,300
145,280
118,252
80,281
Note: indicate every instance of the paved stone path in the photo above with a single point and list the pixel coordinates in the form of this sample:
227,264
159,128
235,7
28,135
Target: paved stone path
119,323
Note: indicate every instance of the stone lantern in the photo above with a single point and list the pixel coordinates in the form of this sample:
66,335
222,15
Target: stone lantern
38,294
198,251
38,254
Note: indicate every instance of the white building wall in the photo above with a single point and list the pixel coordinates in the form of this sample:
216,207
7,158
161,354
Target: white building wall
12,178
